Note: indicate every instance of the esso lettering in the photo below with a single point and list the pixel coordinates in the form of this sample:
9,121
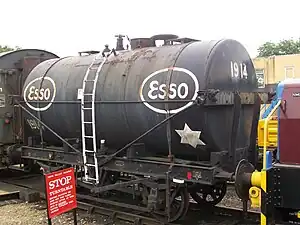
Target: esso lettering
160,90
60,182
238,70
34,125
42,90
38,94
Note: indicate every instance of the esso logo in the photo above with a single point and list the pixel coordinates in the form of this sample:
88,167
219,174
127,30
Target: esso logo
40,97
155,87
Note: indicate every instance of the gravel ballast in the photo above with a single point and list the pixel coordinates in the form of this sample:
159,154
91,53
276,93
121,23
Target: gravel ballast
20,213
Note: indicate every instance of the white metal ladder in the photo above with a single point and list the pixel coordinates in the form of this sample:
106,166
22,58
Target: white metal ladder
91,78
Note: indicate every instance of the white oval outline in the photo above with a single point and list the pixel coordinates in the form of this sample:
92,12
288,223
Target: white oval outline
162,111
51,101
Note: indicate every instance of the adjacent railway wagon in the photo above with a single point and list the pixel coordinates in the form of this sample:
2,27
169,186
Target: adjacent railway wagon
14,69
275,189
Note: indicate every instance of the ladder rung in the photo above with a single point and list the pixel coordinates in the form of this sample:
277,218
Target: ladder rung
88,122
90,178
88,136
90,165
89,80
87,108
89,151
89,94
93,68
88,182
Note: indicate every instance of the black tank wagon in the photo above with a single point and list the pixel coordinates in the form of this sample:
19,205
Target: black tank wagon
14,68
174,119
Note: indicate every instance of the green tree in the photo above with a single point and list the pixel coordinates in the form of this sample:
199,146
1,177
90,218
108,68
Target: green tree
5,48
284,47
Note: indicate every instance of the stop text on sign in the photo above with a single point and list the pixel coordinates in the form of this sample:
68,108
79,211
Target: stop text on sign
60,182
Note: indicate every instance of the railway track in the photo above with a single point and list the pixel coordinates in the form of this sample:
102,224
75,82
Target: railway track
209,216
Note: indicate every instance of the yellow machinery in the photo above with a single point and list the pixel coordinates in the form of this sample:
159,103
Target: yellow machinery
255,181
271,138
272,126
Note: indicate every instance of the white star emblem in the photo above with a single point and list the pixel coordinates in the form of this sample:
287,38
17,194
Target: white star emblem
190,137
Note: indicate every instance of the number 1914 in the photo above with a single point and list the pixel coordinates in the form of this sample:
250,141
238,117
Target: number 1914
238,70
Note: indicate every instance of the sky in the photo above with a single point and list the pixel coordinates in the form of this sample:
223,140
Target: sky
66,27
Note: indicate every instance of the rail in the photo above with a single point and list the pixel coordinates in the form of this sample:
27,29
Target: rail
265,133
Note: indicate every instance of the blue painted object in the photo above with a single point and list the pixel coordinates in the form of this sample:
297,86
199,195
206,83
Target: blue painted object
274,101
279,91
269,160
269,109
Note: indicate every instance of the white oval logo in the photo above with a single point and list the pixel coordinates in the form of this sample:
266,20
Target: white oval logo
44,96
184,86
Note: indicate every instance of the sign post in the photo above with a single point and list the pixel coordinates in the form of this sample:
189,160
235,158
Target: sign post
60,193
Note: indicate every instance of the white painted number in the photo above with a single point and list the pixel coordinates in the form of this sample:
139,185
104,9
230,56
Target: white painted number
160,91
238,70
34,125
39,94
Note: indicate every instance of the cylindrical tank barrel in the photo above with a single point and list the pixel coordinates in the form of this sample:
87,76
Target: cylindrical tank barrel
177,72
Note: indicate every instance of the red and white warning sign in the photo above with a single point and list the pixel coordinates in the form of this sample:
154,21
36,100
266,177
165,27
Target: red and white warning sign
61,192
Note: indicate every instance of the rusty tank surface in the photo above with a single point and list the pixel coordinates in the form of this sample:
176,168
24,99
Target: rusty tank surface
131,78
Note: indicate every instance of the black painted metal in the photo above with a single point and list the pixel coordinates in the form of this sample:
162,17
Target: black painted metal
232,162
252,152
117,185
121,80
242,183
280,203
110,157
287,186
38,104
203,174
52,131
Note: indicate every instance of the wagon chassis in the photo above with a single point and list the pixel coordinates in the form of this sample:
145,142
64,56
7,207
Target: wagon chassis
162,178
157,176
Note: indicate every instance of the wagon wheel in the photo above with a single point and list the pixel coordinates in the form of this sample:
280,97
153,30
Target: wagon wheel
215,193
107,178
31,167
179,204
